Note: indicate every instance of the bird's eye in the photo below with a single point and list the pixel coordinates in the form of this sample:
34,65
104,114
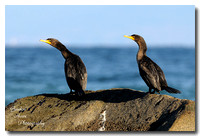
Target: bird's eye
49,40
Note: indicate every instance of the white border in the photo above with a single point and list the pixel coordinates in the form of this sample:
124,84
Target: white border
78,2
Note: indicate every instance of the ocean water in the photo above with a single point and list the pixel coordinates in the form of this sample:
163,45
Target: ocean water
37,70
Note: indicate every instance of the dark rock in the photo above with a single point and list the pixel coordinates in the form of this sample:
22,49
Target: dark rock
102,110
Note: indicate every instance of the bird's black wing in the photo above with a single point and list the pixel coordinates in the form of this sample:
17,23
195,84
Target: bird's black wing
76,73
81,76
149,71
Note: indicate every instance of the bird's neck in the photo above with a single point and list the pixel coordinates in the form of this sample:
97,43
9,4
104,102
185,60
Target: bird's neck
65,52
142,50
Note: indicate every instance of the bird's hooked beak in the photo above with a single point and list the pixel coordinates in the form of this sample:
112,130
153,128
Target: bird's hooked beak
46,41
130,37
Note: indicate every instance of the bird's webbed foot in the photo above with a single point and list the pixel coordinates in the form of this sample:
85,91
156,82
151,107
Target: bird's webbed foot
80,94
153,91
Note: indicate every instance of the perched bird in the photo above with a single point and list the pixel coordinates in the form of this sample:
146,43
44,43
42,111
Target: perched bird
150,72
75,70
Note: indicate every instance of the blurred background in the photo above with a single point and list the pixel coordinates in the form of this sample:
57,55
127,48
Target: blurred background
95,33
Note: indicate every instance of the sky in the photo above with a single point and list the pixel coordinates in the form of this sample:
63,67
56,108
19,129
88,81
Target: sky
99,25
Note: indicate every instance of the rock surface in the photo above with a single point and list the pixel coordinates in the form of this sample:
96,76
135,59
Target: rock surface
103,110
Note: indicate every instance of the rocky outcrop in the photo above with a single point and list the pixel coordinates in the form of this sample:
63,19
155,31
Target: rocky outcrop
102,110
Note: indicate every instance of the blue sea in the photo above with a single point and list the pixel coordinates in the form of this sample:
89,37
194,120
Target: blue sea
37,70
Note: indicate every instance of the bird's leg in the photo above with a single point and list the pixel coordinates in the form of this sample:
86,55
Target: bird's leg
149,90
158,91
71,91
153,91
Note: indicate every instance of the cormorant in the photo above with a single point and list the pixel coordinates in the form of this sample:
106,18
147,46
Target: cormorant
75,70
150,72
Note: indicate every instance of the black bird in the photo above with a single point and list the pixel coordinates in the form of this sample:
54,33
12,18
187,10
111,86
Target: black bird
150,72
75,70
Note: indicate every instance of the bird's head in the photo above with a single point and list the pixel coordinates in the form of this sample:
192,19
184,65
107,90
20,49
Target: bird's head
135,37
53,42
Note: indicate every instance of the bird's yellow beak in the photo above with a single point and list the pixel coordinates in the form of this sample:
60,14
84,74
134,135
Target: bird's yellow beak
46,41
130,37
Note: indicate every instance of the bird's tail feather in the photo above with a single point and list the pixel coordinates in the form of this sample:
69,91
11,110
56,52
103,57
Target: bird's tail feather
171,90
